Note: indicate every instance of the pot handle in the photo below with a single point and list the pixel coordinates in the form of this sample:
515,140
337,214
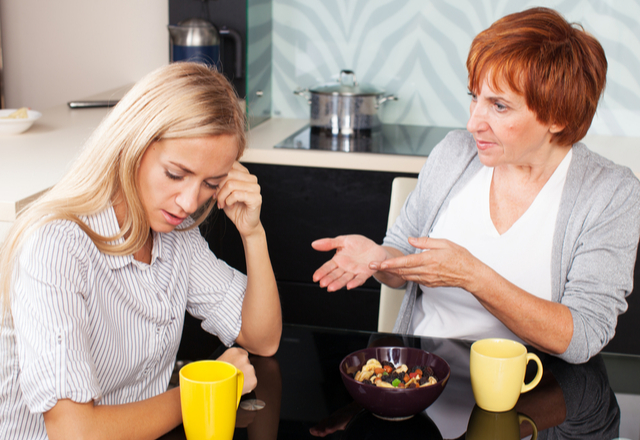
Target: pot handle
304,93
387,98
349,73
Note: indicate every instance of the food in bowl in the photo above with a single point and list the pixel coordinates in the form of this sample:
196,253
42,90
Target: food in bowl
21,113
394,403
385,374
14,121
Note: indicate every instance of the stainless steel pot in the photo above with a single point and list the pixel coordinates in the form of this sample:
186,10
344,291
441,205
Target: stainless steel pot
345,107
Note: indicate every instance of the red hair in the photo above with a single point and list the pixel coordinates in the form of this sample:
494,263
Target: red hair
558,67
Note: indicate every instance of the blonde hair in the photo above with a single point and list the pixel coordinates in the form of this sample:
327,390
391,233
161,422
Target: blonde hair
180,100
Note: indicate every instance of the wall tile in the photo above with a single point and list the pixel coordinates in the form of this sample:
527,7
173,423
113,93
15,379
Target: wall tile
417,49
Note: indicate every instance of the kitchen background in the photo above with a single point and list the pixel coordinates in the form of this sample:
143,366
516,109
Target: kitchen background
57,51
415,49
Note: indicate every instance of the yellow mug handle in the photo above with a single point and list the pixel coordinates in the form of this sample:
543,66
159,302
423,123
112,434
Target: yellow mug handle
529,386
240,385
522,418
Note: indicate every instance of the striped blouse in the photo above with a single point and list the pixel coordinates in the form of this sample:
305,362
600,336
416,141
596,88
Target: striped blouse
90,326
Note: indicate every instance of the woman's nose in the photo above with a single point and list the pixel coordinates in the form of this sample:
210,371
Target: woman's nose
187,199
477,118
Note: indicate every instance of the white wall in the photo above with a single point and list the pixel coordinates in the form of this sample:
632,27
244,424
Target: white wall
57,51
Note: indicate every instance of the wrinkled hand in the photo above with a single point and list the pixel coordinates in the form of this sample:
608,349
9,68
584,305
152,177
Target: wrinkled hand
350,266
239,358
239,196
442,264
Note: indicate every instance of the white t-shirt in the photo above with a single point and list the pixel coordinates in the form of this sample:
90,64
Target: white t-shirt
522,255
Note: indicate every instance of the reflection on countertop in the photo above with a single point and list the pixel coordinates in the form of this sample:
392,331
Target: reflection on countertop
302,388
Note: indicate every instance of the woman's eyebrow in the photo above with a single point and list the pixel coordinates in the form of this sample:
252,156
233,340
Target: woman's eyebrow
188,171
495,98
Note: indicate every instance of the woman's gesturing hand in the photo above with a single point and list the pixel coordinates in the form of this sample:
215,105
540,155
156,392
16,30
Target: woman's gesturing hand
442,264
239,196
350,265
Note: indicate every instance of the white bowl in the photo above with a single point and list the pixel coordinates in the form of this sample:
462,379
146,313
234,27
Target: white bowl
18,125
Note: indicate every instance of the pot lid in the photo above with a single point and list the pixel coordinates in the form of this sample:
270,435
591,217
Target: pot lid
347,85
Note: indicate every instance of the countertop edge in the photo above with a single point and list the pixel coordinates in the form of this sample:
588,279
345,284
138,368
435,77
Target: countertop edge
66,130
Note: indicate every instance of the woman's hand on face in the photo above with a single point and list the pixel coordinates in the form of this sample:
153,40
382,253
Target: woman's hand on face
442,264
239,358
239,196
350,265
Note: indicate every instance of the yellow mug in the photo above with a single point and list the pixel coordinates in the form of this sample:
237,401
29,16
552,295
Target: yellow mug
210,392
497,371
485,425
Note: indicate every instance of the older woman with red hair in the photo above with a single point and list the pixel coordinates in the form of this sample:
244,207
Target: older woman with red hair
515,228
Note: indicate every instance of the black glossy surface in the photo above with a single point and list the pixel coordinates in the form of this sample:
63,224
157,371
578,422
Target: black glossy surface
413,140
304,394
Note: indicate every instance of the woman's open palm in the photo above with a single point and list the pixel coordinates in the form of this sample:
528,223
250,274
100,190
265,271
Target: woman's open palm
350,265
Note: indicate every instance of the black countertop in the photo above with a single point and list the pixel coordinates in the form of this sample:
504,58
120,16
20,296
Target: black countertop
305,397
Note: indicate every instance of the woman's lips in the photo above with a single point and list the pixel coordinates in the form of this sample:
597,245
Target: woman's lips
172,219
483,145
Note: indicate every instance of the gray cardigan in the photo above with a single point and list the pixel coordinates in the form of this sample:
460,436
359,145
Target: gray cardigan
594,244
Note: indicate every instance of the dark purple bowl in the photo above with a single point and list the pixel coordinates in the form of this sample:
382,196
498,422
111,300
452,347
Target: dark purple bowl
396,403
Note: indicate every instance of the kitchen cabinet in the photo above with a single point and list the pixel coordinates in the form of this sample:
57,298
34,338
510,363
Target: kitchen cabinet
302,204
626,339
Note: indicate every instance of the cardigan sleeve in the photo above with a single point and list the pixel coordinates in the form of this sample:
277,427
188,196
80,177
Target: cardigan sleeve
599,262
448,163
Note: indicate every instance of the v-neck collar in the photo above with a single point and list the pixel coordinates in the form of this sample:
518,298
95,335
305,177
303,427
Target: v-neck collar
558,174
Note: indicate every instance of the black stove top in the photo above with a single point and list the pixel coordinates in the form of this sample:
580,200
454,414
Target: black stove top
412,140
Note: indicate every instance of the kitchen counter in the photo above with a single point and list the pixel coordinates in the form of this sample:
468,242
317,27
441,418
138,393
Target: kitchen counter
35,160
265,136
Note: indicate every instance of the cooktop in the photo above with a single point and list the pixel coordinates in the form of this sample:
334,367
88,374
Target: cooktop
412,140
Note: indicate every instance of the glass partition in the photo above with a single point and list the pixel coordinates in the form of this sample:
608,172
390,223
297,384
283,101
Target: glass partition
259,60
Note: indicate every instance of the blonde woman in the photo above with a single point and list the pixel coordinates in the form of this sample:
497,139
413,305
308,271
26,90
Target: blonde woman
97,274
